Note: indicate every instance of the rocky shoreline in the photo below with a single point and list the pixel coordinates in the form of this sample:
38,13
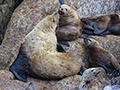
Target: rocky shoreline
25,18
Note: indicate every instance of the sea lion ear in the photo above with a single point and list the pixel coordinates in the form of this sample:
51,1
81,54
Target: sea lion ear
61,2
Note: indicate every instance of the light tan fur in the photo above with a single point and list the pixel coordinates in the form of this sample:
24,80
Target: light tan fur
40,50
70,24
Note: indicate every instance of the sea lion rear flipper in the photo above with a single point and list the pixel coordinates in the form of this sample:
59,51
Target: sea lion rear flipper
103,66
18,68
31,86
61,2
81,70
87,29
59,48
64,43
99,32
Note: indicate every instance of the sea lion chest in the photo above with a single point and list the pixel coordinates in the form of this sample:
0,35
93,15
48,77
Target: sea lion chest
38,44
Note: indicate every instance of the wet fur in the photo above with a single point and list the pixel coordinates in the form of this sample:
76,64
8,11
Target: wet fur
109,22
101,57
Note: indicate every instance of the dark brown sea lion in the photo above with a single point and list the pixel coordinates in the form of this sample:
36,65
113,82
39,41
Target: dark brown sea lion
102,24
70,26
101,57
38,56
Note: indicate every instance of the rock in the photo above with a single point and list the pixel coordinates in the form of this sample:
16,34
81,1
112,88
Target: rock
115,80
110,43
6,9
25,18
112,87
90,8
93,79
8,81
69,83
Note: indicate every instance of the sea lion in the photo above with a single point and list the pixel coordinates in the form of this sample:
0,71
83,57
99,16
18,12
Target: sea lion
102,24
93,79
70,26
38,56
100,57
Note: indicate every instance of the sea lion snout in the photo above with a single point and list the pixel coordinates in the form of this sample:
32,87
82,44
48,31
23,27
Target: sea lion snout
61,11
87,40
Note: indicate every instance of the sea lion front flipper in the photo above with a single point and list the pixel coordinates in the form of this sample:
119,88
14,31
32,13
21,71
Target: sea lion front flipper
59,48
61,2
81,70
103,66
19,68
31,86
88,31
99,32
64,43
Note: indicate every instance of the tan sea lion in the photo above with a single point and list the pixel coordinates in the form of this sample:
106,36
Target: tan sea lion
102,24
70,26
100,57
38,56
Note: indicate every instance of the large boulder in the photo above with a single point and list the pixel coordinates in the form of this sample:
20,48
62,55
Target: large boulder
8,81
6,9
25,18
90,8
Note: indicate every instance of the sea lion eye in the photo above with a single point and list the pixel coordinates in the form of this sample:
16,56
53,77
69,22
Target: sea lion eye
90,40
53,20
66,9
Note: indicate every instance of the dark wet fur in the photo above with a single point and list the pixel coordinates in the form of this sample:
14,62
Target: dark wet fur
90,27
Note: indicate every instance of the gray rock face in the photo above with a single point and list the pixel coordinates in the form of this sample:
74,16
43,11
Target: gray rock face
8,81
90,8
29,13
6,9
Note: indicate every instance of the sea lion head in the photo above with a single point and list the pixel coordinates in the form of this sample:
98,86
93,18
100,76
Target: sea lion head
63,9
89,42
50,22
68,15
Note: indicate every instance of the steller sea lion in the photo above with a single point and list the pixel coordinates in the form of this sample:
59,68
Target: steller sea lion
38,56
102,24
70,26
101,57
